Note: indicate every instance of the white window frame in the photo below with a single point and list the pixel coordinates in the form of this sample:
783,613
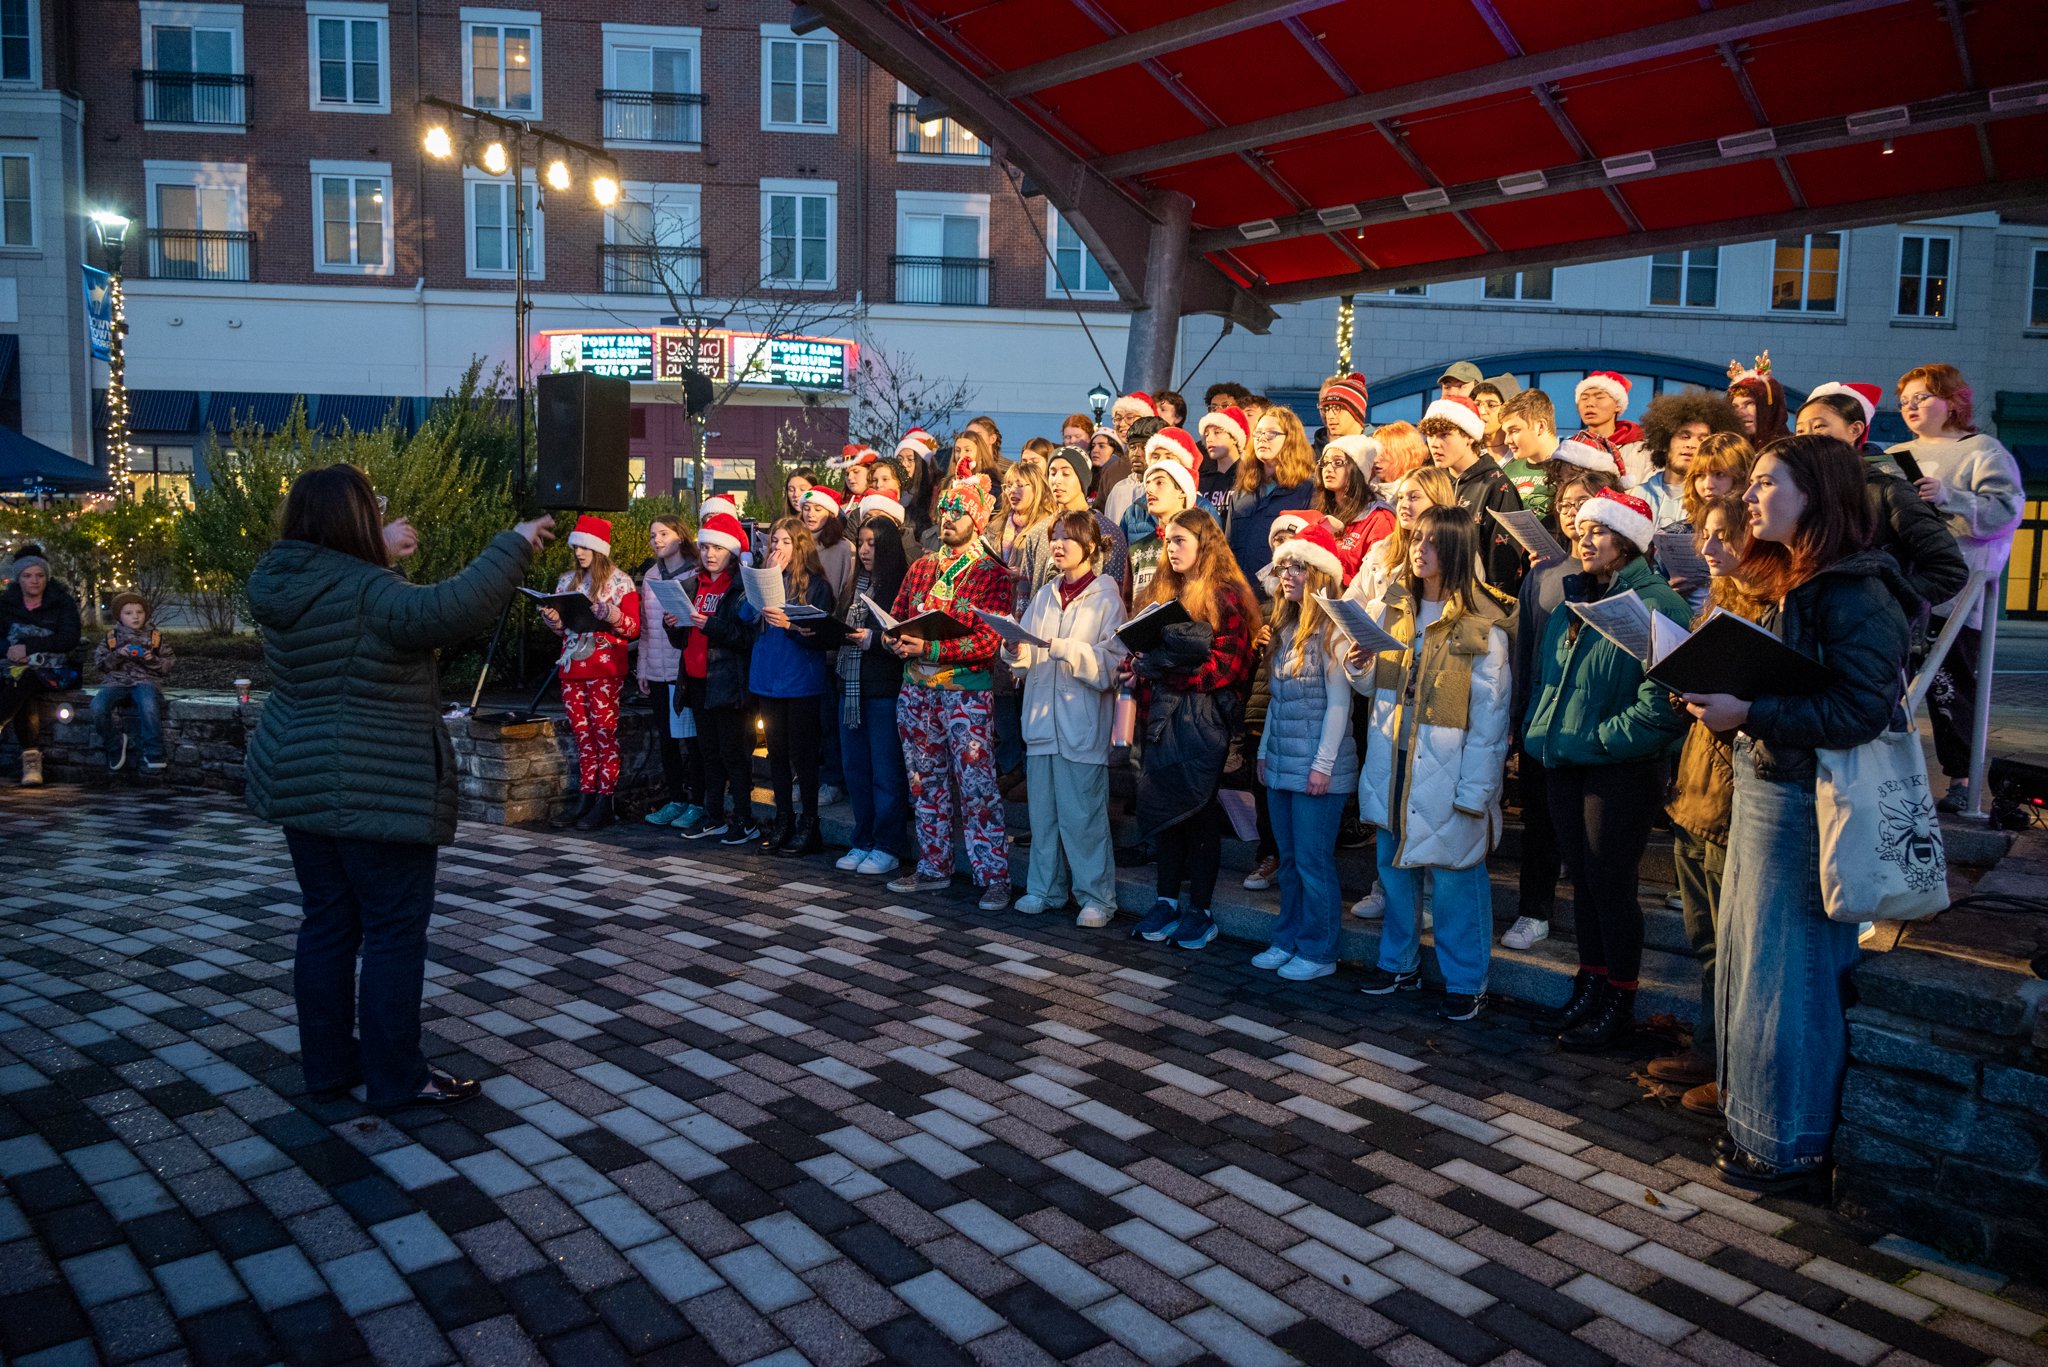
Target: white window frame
471,177
1955,246
232,176
26,152
618,36
500,18
35,50
174,13
354,170
358,11
1685,270
1806,278
830,190
2036,256
657,194
1054,289
780,33
1519,296
905,95
960,205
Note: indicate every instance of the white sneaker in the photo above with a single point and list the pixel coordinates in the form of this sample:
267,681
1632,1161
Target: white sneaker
851,860
1094,916
1272,958
879,861
1372,906
1675,900
1526,931
1029,905
1300,970
31,768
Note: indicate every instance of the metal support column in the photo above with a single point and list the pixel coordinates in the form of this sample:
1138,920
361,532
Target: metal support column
1980,712
1148,356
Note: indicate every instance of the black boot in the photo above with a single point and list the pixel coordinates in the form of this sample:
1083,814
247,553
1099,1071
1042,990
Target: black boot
781,833
573,813
1613,1023
1580,1004
599,816
809,840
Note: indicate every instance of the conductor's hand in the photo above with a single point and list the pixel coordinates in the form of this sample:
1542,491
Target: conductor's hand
539,531
400,539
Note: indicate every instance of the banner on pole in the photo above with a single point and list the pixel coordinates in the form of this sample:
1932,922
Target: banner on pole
99,312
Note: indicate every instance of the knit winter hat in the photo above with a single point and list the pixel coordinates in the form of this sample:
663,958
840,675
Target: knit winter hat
1231,422
852,454
919,443
1108,434
1075,459
827,498
873,504
1461,413
1586,456
1290,523
1138,403
1611,383
592,534
1866,396
1628,515
723,529
1359,449
1348,391
122,600
1315,548
1175,452
969,493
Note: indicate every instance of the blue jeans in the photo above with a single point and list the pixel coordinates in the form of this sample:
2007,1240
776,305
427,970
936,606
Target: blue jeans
1305,829
1463,907
873,757
148,701
1782,976
374,896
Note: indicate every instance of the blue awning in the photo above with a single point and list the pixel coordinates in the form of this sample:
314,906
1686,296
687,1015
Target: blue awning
362,412
27,466
172,412
267,411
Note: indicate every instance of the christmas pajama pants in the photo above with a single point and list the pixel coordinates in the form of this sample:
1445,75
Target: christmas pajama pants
593,708
949,751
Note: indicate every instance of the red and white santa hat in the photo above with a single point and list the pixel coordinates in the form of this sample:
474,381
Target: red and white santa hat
716,504
1347,390
1171,449
723,529
1315,548
1137,403
919,443
1288,523
872,504
1585,455
1866,396
592,534
828,499
1625,513
1231,422
852,454
1611,383
1359,449
1460,412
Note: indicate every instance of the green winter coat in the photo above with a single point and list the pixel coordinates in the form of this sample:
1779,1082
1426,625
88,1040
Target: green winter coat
1592,703
351,743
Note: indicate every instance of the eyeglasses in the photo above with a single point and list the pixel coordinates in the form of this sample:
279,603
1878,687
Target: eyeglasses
1268,434
1917,400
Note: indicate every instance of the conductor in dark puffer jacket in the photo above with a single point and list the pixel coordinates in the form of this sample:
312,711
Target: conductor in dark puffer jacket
352,760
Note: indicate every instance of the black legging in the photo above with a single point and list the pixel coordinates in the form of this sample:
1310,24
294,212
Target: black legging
1539,868
1602,813
682,760
726,737
794,745
1952,704
1192,849
18,705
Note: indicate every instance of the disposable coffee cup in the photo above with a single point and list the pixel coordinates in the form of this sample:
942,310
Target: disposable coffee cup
242,689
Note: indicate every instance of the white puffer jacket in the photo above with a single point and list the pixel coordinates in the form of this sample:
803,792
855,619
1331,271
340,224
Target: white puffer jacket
1451,745
1070,686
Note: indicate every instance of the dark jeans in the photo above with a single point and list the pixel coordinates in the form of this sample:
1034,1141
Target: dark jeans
1540,864
875,783
726,736
18,705
831,764
1191,850
1009,731
793,746
1602,813
372,896
1952,703
682,759
148,701
1699,864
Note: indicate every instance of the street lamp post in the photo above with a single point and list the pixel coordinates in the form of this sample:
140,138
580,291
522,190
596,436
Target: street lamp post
111,231
1098,399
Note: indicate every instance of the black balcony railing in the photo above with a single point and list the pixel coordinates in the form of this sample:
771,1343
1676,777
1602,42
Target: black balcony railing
213,99
652,116
946,138
961,280
199,254
631,269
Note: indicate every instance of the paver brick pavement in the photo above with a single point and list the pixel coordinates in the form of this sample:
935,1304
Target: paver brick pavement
740,1111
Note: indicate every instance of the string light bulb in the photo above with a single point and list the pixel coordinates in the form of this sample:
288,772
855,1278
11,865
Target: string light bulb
558,174
1344,320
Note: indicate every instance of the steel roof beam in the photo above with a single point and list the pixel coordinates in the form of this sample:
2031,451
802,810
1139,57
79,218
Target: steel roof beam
1160,40
2017,194
1519,73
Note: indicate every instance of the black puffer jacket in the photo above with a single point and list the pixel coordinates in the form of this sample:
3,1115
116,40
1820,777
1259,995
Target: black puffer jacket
1851,617
1912,531
731,643
51,629
1187,735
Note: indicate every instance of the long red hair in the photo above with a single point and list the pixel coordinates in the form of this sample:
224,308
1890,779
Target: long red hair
1216,580
1836,523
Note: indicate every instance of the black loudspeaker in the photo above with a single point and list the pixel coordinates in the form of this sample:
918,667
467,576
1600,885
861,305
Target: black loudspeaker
584,421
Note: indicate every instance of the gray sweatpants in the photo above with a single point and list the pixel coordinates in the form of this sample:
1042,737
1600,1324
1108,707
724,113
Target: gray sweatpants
1070,832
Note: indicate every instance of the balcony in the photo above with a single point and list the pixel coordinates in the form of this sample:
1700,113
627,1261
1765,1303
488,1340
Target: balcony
652,116
956,280
199,254
203,99
633,269
945,138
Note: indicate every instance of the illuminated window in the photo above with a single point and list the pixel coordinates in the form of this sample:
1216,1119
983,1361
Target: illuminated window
1925,263
1806,274
503,67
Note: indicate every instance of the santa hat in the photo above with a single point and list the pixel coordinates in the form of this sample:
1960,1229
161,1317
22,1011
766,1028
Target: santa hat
1174,451
1289,522
1615,386
723,529
852,455
1359,449
1347,390
592,534
1625,513
1231,422
1315,548
888,507
1109,434
827,498
1138,403
1460,412
1865,395
919,443
716,504
1586,456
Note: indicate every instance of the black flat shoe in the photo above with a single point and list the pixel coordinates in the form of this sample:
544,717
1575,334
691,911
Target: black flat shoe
442,1089
1747,1171
340,1091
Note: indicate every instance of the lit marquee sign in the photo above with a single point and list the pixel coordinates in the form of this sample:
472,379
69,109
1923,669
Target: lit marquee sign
621,355
660,355
807,362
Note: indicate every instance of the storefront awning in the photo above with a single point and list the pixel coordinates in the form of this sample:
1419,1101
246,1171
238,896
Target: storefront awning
28,467
224,412
361,412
